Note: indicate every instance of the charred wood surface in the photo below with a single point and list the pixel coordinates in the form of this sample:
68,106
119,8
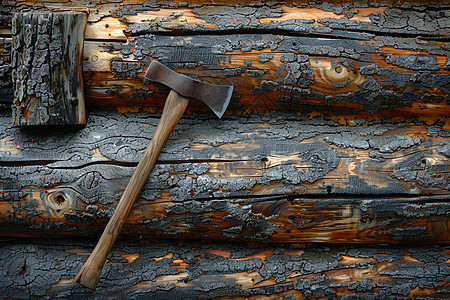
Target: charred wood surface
6,92
338,133
270,178
195,270
371,60
47,56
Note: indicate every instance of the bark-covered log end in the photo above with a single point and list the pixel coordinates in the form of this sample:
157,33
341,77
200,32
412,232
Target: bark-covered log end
47,60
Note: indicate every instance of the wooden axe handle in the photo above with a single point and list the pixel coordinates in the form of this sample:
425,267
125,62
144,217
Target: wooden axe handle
173,111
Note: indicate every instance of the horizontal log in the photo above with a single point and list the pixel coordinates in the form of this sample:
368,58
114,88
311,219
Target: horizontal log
311,58
283,178
326,86
204,270
364,220
115,19
310,80
385,157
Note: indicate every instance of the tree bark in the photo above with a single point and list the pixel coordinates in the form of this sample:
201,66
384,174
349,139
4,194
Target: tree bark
47,54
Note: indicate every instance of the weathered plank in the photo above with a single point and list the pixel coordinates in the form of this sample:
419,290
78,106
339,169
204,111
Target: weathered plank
195,270
347,58
278,177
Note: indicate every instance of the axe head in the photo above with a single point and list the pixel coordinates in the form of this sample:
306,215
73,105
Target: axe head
216,96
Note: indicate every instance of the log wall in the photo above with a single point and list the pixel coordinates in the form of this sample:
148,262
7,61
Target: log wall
327,177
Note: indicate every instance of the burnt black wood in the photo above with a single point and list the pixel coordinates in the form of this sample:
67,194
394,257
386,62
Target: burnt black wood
47,60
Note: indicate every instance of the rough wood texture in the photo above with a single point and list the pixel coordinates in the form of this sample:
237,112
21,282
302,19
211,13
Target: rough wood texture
338,133
273,177
347,58
195,270
6,95
47,55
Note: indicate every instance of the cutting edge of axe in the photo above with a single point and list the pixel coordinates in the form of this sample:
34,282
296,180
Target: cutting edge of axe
217,97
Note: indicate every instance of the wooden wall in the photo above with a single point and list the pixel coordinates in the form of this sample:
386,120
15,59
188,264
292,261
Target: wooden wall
326,177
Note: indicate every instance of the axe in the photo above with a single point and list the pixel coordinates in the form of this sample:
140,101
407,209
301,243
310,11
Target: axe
217,97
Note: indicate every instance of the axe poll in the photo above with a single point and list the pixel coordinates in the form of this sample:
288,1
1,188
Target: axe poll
217,97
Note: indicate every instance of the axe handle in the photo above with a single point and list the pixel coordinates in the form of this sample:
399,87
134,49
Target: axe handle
173,111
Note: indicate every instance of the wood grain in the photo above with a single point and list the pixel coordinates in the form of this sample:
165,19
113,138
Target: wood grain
338,133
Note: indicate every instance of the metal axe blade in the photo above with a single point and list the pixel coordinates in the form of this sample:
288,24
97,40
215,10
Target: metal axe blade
216,96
